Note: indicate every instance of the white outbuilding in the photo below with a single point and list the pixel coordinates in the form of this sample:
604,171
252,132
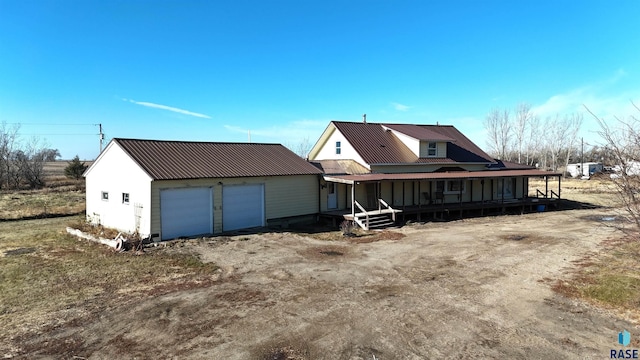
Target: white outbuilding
170,189
584,169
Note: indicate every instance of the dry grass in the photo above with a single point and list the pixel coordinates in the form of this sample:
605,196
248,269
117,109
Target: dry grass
45,273
45,202
359,235
610,278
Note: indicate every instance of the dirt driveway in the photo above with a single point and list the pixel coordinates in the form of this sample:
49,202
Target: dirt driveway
473,288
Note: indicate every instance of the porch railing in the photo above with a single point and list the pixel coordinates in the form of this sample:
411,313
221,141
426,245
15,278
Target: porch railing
554,193
384,203
366,220
538,192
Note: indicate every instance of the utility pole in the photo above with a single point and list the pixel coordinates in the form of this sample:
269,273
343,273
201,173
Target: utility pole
582,160
101,135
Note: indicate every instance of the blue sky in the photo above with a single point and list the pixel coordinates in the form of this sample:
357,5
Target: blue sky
212,70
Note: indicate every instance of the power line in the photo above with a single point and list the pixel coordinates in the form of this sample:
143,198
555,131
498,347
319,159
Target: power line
76,124
58,134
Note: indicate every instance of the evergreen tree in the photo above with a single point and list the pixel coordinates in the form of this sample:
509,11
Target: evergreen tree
75,169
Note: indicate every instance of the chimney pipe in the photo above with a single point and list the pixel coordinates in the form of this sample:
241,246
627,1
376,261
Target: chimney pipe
364,118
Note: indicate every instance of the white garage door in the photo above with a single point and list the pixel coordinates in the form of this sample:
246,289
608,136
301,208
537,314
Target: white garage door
242,206
186,212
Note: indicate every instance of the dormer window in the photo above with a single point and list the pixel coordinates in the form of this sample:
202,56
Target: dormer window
338,148
432,149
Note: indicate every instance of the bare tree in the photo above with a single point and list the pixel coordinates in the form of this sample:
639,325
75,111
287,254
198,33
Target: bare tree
533,143
31,163
624,143
523,117
573,124
301,148
498,129
561,133
8,145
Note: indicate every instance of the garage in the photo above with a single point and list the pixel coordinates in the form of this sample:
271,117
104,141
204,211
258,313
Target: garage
242,206
186,212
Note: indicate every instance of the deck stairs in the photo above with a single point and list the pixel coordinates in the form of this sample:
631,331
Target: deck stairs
376,219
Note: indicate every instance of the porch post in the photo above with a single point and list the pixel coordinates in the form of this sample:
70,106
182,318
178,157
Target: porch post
419,196
492,189
353,200
502,189
460,196
559,183
403,194
393,193
482,197
546,186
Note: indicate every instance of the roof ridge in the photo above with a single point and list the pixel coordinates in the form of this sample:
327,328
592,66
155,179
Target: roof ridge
196,142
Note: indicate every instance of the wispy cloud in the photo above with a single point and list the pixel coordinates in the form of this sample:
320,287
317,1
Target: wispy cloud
287,133
400,107
605,98
168,108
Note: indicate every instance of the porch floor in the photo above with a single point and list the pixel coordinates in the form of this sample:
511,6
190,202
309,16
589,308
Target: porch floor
448,208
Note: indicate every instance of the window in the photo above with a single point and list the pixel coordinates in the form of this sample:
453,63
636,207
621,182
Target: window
451,186
338,148
455,186
125,198
105,195
432,149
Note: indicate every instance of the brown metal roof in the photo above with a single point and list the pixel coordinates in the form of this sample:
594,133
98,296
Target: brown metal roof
377,146
340,167
374,144
169,160
447,175
419,132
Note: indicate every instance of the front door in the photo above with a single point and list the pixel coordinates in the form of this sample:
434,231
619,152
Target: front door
332,196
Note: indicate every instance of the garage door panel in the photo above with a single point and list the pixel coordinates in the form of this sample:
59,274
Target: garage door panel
186,212
242,206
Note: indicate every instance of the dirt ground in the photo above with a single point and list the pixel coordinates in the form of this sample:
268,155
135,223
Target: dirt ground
474,288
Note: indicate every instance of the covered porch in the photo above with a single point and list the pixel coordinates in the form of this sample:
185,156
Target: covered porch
379,200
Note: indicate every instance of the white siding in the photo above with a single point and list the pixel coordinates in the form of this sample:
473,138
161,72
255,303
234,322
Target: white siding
441,149
328,149
116,173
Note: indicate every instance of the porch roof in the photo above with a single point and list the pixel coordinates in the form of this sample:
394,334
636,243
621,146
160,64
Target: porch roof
350,179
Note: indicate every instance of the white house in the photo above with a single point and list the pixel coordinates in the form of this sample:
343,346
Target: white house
374,170
169,189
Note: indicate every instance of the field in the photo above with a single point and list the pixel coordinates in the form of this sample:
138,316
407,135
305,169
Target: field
548,285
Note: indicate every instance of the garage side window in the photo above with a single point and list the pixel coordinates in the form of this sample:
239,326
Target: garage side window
105,196
125,198
338,148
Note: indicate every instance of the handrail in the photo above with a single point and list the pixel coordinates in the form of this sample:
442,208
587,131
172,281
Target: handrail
541,193
365,213
554,193
393,211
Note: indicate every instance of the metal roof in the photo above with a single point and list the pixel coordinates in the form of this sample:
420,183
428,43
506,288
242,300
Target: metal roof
349,179
419,132
341,167
170,160
377,146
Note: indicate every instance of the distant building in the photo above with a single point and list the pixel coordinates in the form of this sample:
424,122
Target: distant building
584,169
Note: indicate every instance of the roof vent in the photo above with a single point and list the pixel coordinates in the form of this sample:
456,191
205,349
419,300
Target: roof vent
364,118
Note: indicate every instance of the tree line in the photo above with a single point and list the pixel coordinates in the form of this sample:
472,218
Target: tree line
22,162
520,135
